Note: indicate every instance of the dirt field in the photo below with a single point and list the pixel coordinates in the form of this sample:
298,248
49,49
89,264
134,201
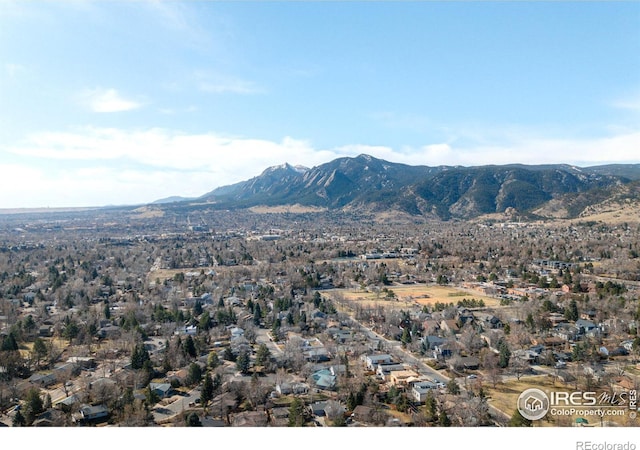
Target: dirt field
424,294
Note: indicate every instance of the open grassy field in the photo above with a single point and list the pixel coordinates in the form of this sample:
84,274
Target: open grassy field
423,294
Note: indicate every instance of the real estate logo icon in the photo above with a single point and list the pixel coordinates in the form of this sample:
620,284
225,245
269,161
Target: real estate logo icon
533,404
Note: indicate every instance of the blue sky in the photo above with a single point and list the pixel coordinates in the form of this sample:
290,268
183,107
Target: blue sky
121,102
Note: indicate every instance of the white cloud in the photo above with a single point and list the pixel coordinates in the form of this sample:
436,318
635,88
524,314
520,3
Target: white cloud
107,101
113,166
631,101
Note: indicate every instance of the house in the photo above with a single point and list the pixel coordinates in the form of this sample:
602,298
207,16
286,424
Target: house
67,403
233,301
318,409
627,345
363,413
470,362
250,419
565,332
430,326
450,326
189,330
324,379
292,388
340,336
29,297
528,356
109,331
84,362
444,350
430,342
588,315
209,421
103,383
586,328
45,331
419,390
236,332
177,376
90,413
372,361
50,418
394,332
489,321
42,379
551,342
465,316
162,390
65,370
556,318
402,377
384,370
206,298
317,354
279,416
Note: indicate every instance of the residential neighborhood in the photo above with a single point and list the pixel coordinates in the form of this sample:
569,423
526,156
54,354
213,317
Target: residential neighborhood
328,321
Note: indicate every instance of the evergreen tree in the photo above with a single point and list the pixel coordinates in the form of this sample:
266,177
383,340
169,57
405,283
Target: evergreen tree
452,387
70,329
197,308
151,396
228,354
406,337
217,382
195,374
213,360
351,402
443,420
205,321
262,355
504,355
34,406
39,350
206,394
257,314
193,420
243,362
139,356
18,420
571,312
9,343
296,413
517,420
190,347
431,405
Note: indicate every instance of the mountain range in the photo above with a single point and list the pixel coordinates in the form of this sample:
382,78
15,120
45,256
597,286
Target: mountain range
444,192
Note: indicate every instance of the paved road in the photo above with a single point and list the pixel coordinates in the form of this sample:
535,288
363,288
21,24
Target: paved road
406,356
